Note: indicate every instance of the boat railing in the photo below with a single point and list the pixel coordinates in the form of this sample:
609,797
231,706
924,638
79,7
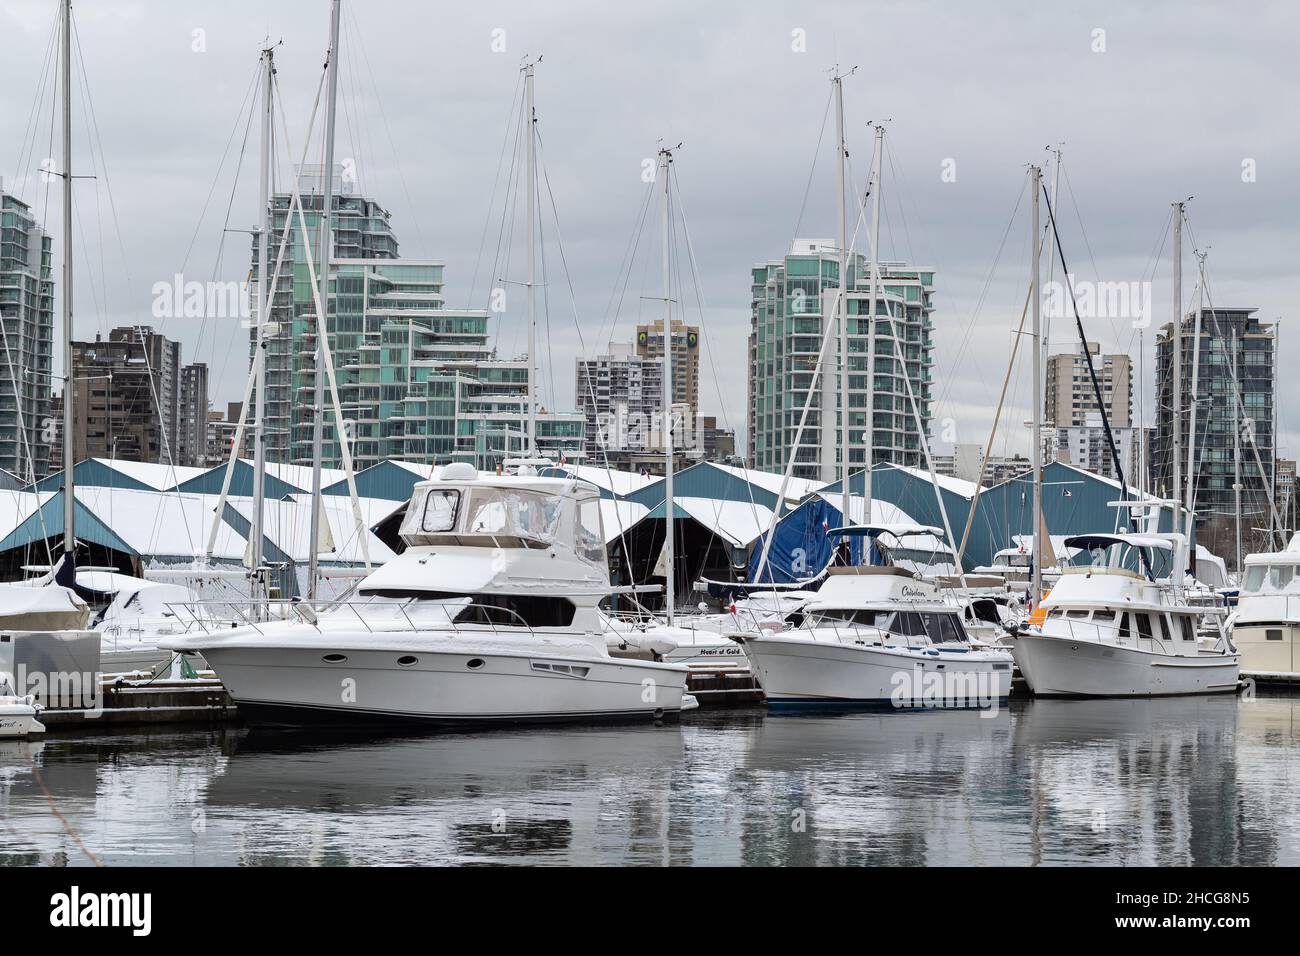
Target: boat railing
303,611
1092,632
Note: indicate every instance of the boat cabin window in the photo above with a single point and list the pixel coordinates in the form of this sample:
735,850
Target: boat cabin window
1189,629
1077,615
1103,617
944,628
509,512
501,610
533,610
1254,577
1164,627
440,509
866,618
1279,576
1124,632
1144,626
590,538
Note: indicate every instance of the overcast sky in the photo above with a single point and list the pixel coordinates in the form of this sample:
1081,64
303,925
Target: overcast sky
1154,102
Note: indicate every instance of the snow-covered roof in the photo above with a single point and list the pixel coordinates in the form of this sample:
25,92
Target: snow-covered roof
612,480
162,522
796,490
958,486
287,524
154,474
738,522
618,517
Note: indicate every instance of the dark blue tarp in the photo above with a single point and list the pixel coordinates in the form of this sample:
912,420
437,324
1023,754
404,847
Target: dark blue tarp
800,547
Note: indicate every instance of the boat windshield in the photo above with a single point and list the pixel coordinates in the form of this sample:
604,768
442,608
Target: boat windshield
512,512
1263,578
939,627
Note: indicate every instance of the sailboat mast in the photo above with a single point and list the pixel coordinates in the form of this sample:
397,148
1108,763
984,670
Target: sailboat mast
69,496
841,311
1236,457
322,321
1190,499
870,460
532,262
1036,591
1176,379
265,296
666,426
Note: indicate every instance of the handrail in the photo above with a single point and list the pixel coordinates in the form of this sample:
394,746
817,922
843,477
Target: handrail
1098,628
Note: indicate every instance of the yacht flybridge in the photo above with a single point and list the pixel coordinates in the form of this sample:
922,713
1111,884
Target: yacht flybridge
490,615
1121,626
877,635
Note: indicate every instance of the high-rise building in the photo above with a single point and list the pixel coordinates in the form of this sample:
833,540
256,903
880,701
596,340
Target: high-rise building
620,395
27,323
1085,446
127,396
1071,399
192,436
1236,356
416,380
686,358
788,298
220,436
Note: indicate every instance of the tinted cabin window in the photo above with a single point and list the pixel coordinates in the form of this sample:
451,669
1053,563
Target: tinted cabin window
518,611
908,624
1144,626
1124,631
944,628
1164,627
1189,630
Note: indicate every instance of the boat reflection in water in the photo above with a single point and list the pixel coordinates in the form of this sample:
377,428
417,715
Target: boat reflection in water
1173,781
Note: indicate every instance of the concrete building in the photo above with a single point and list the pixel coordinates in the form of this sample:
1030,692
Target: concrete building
620,395
127,396
788,296
1071,399
1085,446
192,440
27,323
686,358
220,435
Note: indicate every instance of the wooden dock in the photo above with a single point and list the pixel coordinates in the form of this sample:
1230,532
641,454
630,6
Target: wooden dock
148,703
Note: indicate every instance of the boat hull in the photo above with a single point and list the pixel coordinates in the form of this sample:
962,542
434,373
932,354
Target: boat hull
1064,667
298,686
798,673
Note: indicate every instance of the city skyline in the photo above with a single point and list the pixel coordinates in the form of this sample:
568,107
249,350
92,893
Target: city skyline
1126,157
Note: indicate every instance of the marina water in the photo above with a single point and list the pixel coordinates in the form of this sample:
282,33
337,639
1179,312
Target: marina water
1188,781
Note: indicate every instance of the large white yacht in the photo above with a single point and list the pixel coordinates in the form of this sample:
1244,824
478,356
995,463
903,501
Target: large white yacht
1120,627
490,615
877,635
1266,623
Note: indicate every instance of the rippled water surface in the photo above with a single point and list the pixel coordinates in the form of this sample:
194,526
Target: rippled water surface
1187,781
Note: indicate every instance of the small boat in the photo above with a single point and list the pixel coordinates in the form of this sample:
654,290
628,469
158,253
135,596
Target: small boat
877,635
18,715
1266,624
1121,627
490,615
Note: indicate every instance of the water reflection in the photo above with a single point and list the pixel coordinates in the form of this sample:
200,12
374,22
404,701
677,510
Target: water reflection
1162,782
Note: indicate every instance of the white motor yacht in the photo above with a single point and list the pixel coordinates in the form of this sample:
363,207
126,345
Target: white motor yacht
490,615
1120,627
877,635
1266,623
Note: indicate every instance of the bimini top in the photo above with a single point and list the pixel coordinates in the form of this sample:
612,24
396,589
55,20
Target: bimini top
876,530
1094,542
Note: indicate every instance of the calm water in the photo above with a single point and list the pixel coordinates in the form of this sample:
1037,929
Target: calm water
1192,781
